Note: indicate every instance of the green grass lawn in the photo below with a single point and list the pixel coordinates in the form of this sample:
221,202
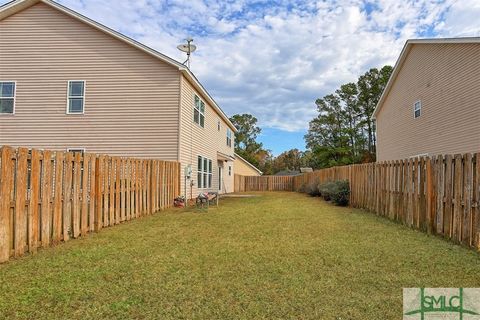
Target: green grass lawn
275,256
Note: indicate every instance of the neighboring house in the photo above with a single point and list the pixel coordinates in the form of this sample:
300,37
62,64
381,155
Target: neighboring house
288,173
306,170
245,168
68,82
431,104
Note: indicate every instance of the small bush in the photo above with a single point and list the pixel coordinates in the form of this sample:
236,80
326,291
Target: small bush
341,195
326,190
338,192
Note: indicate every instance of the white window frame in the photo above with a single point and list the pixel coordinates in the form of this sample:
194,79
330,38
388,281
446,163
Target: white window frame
84,96
200,113
14,97
205,173
229,137
419,103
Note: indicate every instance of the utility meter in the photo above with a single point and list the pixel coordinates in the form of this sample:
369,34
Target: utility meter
188,171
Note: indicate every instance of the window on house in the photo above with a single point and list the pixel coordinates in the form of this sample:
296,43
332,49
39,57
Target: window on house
210,173
204,172
7,97
229,137
218,125
199,112
76,150
229,170
417,109
76,96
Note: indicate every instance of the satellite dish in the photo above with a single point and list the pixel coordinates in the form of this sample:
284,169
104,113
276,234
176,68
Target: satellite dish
188,48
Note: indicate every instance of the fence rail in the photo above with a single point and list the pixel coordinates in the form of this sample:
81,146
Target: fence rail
438,195
47,197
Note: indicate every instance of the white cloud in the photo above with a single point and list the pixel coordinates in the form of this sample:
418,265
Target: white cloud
273,59
462,19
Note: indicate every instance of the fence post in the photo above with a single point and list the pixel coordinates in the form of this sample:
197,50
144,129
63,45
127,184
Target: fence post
5,192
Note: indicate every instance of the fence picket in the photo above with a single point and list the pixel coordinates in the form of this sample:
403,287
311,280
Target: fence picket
46,194
47,197
457,201
33,208
6,188
76,194
20,197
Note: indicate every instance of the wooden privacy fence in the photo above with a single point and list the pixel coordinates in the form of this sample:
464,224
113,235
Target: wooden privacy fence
263,183
439,195
47,197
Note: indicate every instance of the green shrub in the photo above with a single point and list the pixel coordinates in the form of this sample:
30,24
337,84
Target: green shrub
341,196
326,190
338,192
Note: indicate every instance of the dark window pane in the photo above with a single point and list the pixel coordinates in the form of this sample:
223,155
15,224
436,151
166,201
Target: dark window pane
199,180
205,165
6,105
196,116
7,89
205,180
76,89
202,107
202,120
209,166
199,163
75,105
209,180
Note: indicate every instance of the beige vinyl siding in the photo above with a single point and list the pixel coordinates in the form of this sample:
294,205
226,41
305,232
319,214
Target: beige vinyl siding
244,169
446,78
206,142
131,98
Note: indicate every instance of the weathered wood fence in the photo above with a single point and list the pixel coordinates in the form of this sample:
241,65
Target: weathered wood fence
263,183
47,197
438,195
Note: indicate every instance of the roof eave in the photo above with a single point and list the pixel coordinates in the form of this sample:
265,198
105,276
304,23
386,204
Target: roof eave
15,6
248,163
396,68
190,76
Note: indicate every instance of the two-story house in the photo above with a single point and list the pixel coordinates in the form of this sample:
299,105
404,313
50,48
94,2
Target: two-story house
431,104
68,82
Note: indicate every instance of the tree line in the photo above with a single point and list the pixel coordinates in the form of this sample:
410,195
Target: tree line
342,133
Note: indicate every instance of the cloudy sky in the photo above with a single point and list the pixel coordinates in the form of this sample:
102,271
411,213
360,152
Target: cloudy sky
274,58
